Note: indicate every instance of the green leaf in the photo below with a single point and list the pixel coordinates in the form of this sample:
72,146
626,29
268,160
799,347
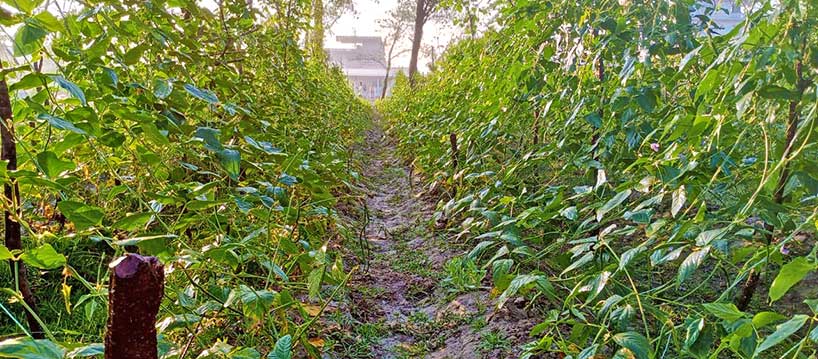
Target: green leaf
763,318
782,331
628,255
588,352
725,311
210,137
679,197
255,303
789,275
177,321
612,203
518,283
204,95
774,92
642,216
694,328
26,6
231,161
89,350
83,216
691,263
813,334
112,139
5,253
646,99
587,257
28,39
266,147
137,240
162,88
72,88
60,123
245,353
570,213
52,166
133,55
47,21
706,237
314,281
689,56
43,257
133,222
152,133
28,348
593,119
282,348
635,342
30,81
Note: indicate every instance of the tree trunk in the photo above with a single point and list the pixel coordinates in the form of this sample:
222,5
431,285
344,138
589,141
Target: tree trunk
134,295
13,235
317,36
388,67
420,18
386,78
749,288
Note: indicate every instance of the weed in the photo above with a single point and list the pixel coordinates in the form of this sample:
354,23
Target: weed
478,323
493,340
462,275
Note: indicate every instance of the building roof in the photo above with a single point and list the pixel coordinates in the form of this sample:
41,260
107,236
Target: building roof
380,73
366,52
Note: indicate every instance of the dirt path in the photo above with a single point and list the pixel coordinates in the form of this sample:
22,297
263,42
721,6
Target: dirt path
397,306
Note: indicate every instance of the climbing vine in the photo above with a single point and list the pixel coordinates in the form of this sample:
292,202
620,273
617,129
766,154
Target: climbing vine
204,136
644,177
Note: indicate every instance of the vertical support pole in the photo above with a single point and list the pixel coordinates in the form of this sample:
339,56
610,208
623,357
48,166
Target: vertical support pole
11,193
411,175
453,141
134,295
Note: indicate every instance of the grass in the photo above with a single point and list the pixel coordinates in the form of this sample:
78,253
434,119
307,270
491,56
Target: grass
478,323
355,343
462,276
412,261
370,292
493,340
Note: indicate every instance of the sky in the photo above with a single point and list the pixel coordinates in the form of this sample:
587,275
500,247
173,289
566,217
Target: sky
365,23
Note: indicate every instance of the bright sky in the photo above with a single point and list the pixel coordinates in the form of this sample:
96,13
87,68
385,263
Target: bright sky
365,23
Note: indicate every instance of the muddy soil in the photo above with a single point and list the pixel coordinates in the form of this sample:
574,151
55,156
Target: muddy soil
396,306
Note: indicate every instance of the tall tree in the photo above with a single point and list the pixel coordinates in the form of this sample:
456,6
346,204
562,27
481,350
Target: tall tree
335,9
316,44
395,24
424,9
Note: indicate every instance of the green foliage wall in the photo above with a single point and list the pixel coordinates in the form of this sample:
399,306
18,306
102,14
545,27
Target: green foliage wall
627,166
206,137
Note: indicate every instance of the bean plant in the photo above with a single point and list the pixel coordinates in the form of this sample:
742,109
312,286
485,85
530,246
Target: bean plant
645,178
202,135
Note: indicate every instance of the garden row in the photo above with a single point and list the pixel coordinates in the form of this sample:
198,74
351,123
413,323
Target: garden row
646,179
206,137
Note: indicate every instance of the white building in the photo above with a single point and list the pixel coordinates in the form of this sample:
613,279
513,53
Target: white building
364,64
726,14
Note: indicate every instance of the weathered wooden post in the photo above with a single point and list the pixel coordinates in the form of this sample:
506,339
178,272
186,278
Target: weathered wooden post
453,142
134,295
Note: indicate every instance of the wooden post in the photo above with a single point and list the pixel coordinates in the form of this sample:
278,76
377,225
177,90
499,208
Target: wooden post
411,174
453,141
11,193
134,295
